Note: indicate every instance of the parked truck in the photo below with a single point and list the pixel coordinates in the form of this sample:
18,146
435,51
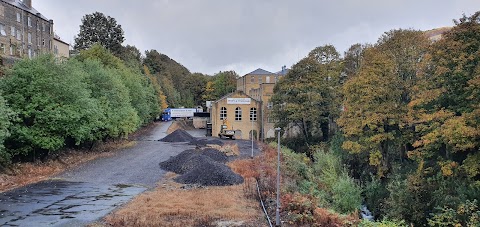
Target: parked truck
172,113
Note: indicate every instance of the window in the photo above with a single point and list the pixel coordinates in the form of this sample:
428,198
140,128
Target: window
12,31
238,114
19,35
268,80
269,105
260,79
50,44
29,21
38,25
29,38
29,53
38,41
43,42
3,48
2,30
253,114
276,79
43,26
252,79
18,17
223,113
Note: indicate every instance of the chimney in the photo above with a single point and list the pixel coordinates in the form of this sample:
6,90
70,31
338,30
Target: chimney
28,3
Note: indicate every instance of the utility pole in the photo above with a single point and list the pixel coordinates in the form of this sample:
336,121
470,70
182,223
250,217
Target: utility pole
277,213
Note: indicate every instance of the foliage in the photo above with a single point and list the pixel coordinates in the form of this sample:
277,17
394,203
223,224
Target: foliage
97,28
6,115
120,118
466,214
383,223
141,91
372,116
306,97
53,103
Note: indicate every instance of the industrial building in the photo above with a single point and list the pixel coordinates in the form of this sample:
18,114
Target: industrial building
248,109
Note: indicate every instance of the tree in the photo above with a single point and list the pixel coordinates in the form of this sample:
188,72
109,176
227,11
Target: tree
445,106
306,96
373,112
54,106
101,29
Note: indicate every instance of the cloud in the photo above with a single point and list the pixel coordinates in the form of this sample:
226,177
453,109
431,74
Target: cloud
212,35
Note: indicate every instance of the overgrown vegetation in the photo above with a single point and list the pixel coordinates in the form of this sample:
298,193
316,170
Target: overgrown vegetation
407,132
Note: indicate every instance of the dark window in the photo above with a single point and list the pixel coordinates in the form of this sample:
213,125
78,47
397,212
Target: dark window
223,113
253,114
238,114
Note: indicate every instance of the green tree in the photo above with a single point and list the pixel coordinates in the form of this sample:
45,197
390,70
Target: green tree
101,29
54,106
6,115
120,118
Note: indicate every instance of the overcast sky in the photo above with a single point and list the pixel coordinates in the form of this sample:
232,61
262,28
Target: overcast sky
208,36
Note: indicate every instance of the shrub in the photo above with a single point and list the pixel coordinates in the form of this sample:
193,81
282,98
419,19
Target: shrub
53,103
466,214
5,121
347,196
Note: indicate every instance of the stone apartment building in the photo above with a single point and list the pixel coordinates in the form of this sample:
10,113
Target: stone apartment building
24,32
255,115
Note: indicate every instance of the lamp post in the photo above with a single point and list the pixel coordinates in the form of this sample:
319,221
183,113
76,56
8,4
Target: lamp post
277,212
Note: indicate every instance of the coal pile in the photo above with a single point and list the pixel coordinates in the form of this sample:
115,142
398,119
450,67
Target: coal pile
179,135
190,159
210,174
204,142
203,167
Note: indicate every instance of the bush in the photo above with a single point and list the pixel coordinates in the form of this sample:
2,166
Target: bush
5,117
466,214
384,223
120,118
347,196
53,103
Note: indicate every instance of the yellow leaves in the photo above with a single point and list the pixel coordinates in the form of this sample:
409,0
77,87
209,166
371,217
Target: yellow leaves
353,147
458,134
448,167
375,158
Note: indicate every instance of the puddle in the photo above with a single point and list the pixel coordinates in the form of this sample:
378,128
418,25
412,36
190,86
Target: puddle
62,203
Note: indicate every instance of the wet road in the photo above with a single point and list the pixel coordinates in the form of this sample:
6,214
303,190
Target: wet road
87,193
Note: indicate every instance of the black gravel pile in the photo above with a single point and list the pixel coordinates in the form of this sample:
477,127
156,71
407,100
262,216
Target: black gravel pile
204,142
215,154
203,167
179,135
210,174
174,164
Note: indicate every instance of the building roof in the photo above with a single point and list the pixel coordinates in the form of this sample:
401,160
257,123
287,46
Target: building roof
260,71
19,4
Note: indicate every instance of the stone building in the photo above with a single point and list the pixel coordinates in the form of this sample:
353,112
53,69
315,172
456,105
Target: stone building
24,32
258,86
239,112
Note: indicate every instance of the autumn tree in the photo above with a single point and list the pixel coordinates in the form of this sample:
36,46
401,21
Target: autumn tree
373,110
446,104
101,29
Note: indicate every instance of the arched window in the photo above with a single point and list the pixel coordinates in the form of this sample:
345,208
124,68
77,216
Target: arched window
223,113
238,114
253,114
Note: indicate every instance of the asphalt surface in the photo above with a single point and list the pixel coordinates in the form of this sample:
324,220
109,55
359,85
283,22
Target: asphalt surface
87,193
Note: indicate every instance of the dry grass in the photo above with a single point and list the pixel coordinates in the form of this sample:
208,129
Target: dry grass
229,149
172,205
22,174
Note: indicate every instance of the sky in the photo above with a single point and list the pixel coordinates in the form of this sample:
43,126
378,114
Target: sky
209,36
